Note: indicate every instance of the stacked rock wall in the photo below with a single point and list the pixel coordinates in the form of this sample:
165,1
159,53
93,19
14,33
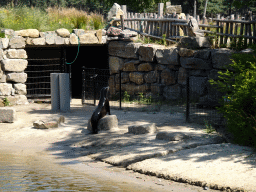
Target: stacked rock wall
161,71
13,57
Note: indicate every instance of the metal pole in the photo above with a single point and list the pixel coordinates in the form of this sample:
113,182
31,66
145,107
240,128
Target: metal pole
83,84
94,89
120,94
188,95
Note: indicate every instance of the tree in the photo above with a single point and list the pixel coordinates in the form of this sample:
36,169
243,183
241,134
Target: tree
213,6
205,6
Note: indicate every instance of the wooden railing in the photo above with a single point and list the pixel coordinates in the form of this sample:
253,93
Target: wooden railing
156,25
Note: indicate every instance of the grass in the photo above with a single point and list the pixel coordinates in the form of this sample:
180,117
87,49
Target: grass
50,19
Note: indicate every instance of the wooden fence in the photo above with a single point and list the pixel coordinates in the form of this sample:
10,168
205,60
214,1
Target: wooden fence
173,28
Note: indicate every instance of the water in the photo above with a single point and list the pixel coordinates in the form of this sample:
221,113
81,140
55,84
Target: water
20,172
26,173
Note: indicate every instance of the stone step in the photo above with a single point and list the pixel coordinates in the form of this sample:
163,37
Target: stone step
7,115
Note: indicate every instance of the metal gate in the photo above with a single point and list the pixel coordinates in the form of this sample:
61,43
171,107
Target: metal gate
41,63
93,80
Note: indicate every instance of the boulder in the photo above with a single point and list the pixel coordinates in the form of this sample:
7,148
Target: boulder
17,77
88,38
142,129
172,136
124,78
1,73
167,56
221,57
59,40
115,64
203,54
115,12
113,31
5,89
73,39
194,42
16,54
99,35
192,27
15,65
1,55
63,32
38,41
136,77
124,49
128,33
8,115
50,37
66,41
147,52
28,33
78,32
47,124
17,42
195,63
20,89
3,78
151,77
107,123
168,77
4,43
18,100
145,67
184,52
130,65
42,34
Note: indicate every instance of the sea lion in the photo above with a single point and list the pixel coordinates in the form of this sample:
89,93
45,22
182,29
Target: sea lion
101,110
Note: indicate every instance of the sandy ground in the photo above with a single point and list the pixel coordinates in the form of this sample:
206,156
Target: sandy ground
71,146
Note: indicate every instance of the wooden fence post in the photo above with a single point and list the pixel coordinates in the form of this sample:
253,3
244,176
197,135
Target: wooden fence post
124,8
160,10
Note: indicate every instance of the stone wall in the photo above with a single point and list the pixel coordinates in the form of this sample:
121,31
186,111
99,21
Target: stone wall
158,70
152,69
13,57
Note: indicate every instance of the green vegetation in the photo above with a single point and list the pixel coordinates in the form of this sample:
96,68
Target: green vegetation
22,17
209,128
239,87
6,102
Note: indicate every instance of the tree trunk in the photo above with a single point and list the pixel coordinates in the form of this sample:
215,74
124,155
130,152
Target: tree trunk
195,9
205,6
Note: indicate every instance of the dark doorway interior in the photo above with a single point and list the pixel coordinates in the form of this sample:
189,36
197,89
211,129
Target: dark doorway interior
42,61
90,57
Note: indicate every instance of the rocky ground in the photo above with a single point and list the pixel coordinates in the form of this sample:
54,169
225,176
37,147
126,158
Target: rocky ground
204,160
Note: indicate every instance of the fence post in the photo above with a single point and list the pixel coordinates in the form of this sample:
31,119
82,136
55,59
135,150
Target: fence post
122,21
124,8
160,10
188,96
120,94
83,84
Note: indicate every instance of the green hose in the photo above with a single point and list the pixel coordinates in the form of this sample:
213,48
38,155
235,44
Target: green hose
77,52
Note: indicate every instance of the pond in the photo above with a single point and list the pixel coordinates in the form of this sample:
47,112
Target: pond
28,173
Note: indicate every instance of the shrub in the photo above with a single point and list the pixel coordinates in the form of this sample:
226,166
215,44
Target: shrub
239,87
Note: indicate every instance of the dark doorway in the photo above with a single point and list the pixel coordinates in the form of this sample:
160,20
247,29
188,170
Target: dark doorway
89,56
42,61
